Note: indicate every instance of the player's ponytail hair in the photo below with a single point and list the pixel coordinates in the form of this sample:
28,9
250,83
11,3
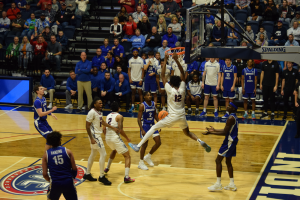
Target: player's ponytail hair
94,101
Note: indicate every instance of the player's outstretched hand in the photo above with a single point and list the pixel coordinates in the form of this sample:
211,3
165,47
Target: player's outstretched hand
53,116
210,129
54,108
205,133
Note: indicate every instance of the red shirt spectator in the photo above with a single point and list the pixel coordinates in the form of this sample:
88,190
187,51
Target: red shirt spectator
144,7
12,12
130,26
40,46
128,4
43,4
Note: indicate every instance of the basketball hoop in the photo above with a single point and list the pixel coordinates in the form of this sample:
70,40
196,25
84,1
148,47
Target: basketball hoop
180,52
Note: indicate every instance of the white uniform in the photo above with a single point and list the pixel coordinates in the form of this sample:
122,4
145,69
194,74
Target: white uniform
154,62
95,118
113,139
212,70
136,66
195,88
176,69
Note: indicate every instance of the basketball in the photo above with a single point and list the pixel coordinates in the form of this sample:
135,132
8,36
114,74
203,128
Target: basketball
162,114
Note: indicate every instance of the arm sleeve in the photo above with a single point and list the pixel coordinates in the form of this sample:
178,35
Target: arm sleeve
112,81
121,49
68,85
127,88
161,9
101,85
77,69
117,88
88,69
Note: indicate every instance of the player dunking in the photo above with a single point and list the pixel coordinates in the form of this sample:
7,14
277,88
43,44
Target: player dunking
176,96
40,113
228,148
146,116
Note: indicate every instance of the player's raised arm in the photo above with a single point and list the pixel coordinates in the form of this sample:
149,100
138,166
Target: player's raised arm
45,168
182,74
230,122
163,71
120,120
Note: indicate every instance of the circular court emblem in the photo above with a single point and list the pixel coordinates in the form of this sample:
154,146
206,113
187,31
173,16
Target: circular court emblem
30,181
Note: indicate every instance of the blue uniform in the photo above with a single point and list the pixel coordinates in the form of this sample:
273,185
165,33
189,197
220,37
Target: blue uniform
228,80
148,118
150,81
249,82
41,123
105,50
60,169
228,148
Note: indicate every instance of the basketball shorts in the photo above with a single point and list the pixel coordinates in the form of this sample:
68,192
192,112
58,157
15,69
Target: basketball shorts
116,143
43,127
210,89
197,95
66,188
228,94
135,85
161,85
171,120
228,151
150,87
146,128
249,95
99,142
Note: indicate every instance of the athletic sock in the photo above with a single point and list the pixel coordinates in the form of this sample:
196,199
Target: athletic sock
231,181
204,109
197,109
253,112
216,110
246,112
132,105
127,172
149,155
219,180
272,113
190,108
227,112
109,162
265,113
198,140
141,161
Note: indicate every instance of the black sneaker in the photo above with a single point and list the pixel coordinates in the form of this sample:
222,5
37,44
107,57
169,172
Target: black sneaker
196,112
104,180
272,116
284,117
89,177
79,111
189,112
263,115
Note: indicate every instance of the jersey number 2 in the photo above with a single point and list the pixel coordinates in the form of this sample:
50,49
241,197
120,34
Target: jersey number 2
58,160
178,98
109,121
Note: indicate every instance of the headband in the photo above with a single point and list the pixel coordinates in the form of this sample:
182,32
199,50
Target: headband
232,104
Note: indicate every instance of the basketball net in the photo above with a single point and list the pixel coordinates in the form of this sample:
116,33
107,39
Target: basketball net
180,52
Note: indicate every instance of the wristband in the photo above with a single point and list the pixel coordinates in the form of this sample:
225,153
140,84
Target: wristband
141,80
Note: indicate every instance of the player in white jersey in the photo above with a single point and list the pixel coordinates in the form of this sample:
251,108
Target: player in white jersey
136,75
194,91
114,141
176,96
94,122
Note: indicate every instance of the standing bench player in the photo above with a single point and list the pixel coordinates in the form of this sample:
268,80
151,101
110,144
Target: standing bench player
228,148
194,91
40,113
176,107
150,66
62,169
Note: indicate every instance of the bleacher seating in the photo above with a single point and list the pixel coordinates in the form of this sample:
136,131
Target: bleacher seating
254,26
69,32
241,15
187,3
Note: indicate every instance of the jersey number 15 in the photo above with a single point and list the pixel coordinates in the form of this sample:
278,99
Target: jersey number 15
58,160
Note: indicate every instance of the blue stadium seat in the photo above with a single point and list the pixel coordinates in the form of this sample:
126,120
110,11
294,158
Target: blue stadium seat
69,32
127,46
34,7
230,44
241,23
241,15
215,11
168,21
285,25
230,11
217,43
153,21
269,26
9,39
187,3
7,6
254,25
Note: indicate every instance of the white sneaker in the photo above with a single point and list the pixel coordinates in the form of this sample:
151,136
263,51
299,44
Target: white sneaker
83,108
231,187
215,187
148,160
50,106
142,166
69,106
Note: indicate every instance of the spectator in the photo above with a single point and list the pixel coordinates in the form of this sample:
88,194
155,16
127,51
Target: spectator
270,13
161,26
229,4
41,24
262,31
249,34
262,41
180,19
295,30
291,41
199,2
232,35
62,40
170,8
71,89
103,70
194,92
55,5
53,53
98,59
71,5
150,66
156,9
240,65
83,69
105,48
29,25
116,29
26,13
129,27
107,88
138,15
176,28
296,18
285,12
122,90
144,6
153,40
163,49
170,37
39,48
257,12
25,53
17,26
118,50
209,22
242,5
216,32
50,13
122,16
278,36
119,71
110,63
46,34
43,4
192,68
48,82
120,62
128,4
226,16
144,26
63,17
13,11
157,56
138,41
4,24
82,6
268,84
95,82
12,51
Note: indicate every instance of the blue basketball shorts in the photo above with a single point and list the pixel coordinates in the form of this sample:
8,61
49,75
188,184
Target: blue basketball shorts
135,85
161,85
226,151
152,87
228,94
249,95
66,188
43,127
210,89
146,128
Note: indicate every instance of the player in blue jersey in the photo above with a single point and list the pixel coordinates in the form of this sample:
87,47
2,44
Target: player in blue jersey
249,82
62,169
228,148
40,113
150,66
146,116
229,76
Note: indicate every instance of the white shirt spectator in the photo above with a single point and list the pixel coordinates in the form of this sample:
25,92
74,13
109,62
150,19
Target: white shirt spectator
294,32
167,73
195,88
212,70
136,66
176,69
116,28
138,16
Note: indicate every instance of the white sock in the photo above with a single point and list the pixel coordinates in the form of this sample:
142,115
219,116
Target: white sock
266,113
109,162
219,180
190,108
227,112
198,140
91,160
141,161
246,112
231,180
132,105
102,153
204,109
253,112
127,172
272,113
197,109
148,134
149,155
216,109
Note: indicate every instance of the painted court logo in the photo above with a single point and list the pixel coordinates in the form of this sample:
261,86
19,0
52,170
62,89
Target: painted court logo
30,181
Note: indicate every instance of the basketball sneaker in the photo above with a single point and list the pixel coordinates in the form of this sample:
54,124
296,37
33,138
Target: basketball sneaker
147,158
225,116
128,180
134,147
189,112
264,115
50,106
142,165
196,112
205,146
215,187
89,177
272,116
231,187
253,116
104,180
131,109
203,114
106,170
245,116
216,114
69,106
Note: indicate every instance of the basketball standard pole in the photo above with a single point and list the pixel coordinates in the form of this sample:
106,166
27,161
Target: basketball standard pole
223,42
